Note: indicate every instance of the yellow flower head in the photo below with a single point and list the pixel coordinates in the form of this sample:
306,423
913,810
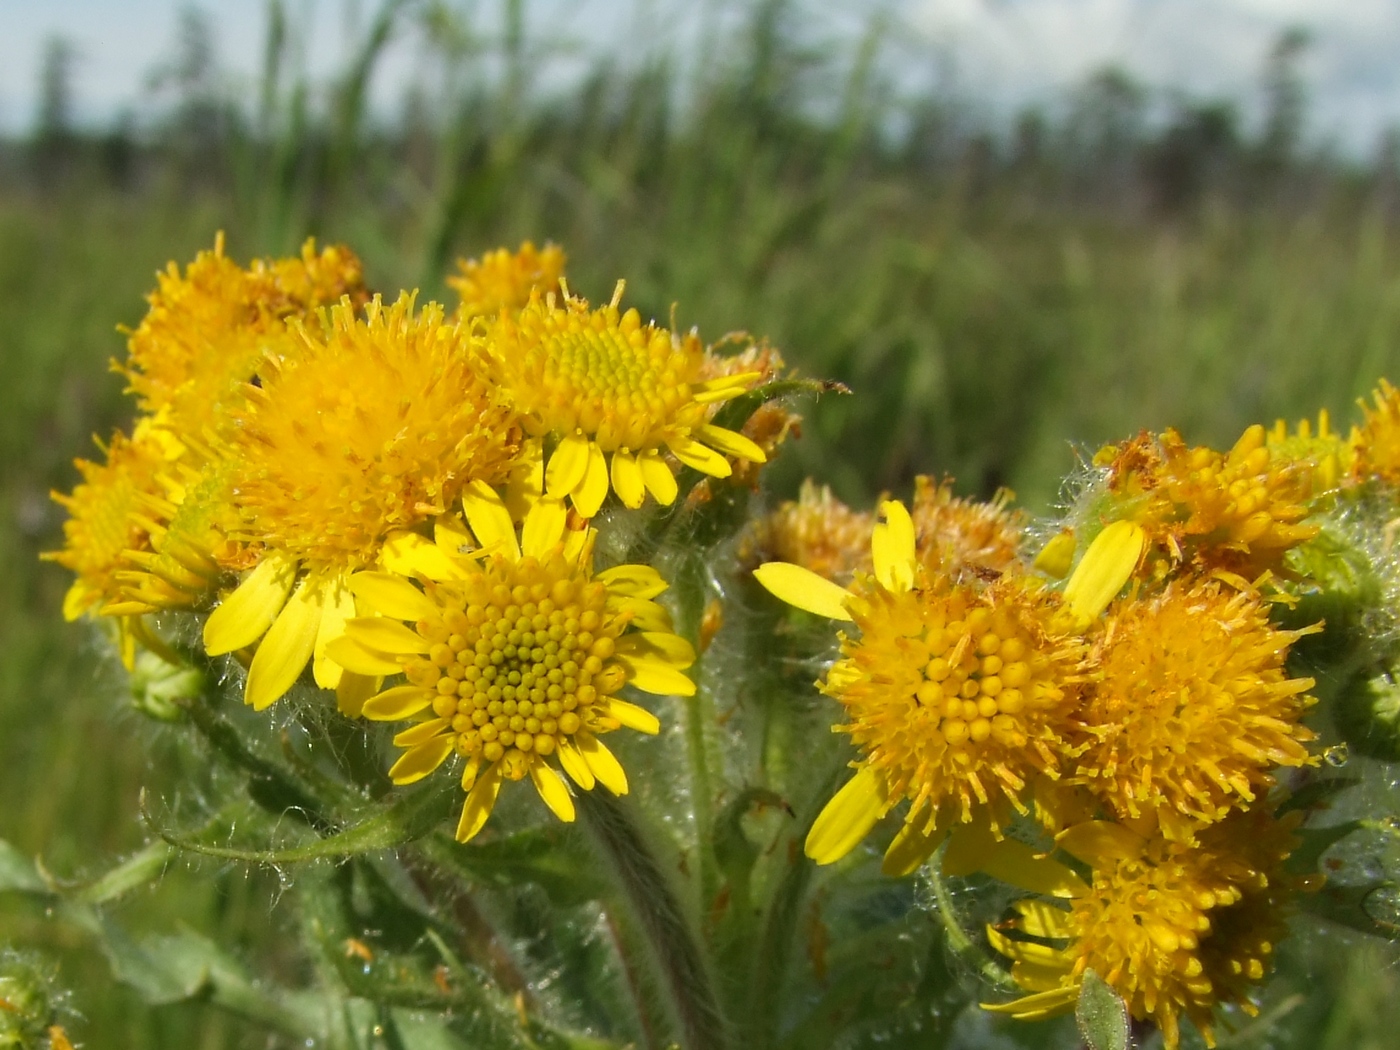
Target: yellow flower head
1191,707
1376,443
206,330
1328,455
502,281
1238,511
516,653
375,426
1174,929
956,694
958,535
107,518
817,532
603,385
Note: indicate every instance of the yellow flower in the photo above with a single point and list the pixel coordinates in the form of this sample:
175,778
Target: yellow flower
502,281
106,519
1329,456
1238,511
206,330
1175,929
374,427
769,425
817,532
956,535
602,384
1376,443
1191,706
956,693
516,654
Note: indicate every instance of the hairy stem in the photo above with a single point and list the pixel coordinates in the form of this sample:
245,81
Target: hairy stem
677,958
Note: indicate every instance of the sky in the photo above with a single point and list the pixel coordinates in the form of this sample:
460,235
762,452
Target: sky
1006,53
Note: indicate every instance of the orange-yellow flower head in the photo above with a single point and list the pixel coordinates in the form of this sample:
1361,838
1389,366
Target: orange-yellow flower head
955,694
516,655
1191,707
957,535
1239,511
107,518
206,330
616,395
501,280
818,532
1175,929
1376,443
373,426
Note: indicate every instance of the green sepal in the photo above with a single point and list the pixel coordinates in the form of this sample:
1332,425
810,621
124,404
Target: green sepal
1101,1014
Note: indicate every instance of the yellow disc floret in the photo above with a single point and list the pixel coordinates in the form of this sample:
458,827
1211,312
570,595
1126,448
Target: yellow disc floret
816,531
1376,443
501,280
515,657
957,536
616,394
1191,707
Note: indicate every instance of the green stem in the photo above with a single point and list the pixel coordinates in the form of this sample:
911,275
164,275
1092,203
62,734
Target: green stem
961,944
677,958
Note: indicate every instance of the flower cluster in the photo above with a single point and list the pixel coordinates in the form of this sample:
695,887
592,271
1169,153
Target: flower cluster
1134,716
378,490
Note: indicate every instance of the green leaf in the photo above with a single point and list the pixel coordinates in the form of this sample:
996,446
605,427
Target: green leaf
417,1032
1316,795
1316,842
1102,1016
1372,908
137,871
18,873
551,856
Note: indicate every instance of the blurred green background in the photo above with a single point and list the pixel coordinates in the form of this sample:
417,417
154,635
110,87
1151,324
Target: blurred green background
993,296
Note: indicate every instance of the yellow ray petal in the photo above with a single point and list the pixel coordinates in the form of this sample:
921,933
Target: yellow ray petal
480,801
421,733
567,466
1105,568
603,763
848,817
392,595
656,474
1037,1007
732,384
487,515
451,536
910,848
634,581
386,635
662,645
337,606
1056,557
1096,842
706,460
575,765
645,615
353,690
804,589
402,701
627,480
285,648
652,675
544,527
353,656
526,482
416,763
592,489
732,443
553,790
249,611
892,547
632,716
974,847
1023,951
410,554
1042,919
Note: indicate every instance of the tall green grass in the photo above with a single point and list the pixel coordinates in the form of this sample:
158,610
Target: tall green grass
986,316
